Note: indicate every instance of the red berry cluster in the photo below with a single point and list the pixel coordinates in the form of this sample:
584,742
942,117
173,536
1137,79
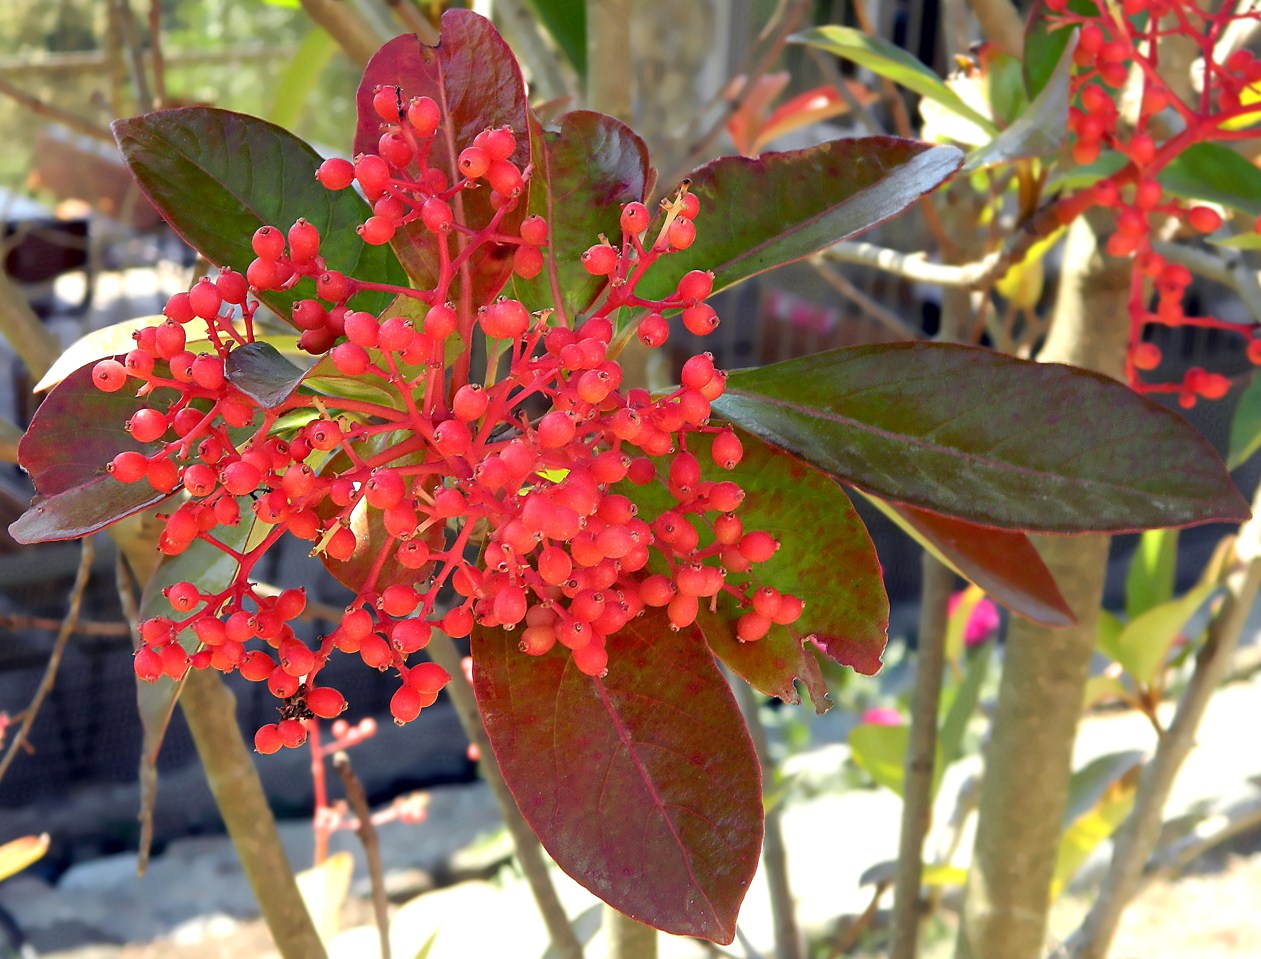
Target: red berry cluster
537,461
1114,42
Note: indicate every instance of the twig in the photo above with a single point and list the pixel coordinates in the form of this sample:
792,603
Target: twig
67,119
1141,831
1002,25
345,25
367,834
414,21
135,56
851,935
155,53
86,555
881,314
1210,833
520,28
774,850
917,792
84,627
914,266
529,853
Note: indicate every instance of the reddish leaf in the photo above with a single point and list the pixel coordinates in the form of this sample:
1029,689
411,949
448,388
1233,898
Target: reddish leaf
218,176
642,785
1002,562
781,207
987,438
74,434
474,78
834,570
584,172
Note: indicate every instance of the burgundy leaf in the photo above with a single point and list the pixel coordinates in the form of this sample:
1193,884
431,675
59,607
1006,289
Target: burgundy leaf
642,785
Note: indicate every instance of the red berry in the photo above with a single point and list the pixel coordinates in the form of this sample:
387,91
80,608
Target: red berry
1146,356
268,243
304,241
635,218
373,174
325,702
424,116
727,450
267,740
473,162
534,230
527,262
336,174
499,142
405,704
376,230
109,376
205,299
600,260
696,285
654,330
700,320
1204,219
388,103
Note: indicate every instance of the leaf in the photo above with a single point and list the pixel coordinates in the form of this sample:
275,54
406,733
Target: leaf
212,570
881,751
1245,425
987,438
1152,568
217,176
1217,174
113,340
1004,563
1039,130
261,373
17,854
886,60
642,785
1045,42
324,889
474,78
757,214
1143,645
584,172
1074,177
566,21
300,77
74,495
954,723
1101,795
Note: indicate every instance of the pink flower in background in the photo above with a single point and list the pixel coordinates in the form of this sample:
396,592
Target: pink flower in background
982,624
882,716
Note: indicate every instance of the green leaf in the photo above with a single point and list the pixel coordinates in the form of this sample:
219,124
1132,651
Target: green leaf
584,172
987,438
642,785
566,21
1004,563
1217,174
217,176
1143,645
300,76
760,213
954,723
474,78
1074,177
74,495
886,60
261,373
1101,795
1045,42
1152,569
881,752
1245,426
1039,130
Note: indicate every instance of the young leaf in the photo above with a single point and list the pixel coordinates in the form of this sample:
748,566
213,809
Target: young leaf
1151,576
584,171
886,60
954,721
987,438
1245,426
261,373
473,76
1143,645
881,752
1002,562
1045,42
781,207
642,785
1101,795
217,176
74,495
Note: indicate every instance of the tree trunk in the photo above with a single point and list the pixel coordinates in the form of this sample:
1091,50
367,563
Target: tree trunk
1029,758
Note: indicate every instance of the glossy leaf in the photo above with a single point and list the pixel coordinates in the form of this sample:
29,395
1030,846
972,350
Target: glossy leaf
987,438
73,436
1002,562
474,78
881,752
892,62
1245,426
217,176
761,213
260,372
1143,645
1215,173
642,785
584,171
1152,568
